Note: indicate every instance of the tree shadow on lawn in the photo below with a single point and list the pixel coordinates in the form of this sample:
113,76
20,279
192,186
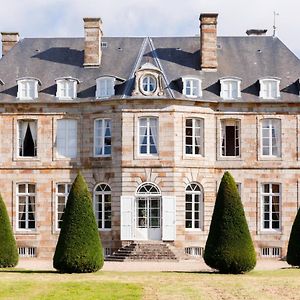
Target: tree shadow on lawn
23,271
213,272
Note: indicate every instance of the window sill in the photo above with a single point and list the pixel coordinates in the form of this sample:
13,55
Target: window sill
270,158
104,229
27,158
26,232
271,232
237,158
147,156
102,156
193,156
194,230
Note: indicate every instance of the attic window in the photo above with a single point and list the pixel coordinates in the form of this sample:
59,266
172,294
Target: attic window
192,87
27,88
148,84
105,87
230,88
66,88
104,44
269,88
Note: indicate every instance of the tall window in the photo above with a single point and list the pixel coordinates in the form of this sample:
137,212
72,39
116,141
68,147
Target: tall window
271,206
148,135
66,138
66,88
27,88
26,206
230,88
271,137
230,137
193,207
269,88
102,204
102,137
62,193
105,87
194,136
192,87
27,138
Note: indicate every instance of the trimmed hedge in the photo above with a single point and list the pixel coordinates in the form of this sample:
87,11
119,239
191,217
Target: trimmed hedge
229,247
293,253
79,248
8,249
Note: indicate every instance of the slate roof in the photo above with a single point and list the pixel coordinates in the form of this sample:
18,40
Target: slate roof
248,58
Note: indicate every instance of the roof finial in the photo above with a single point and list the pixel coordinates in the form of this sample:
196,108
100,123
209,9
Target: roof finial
274,23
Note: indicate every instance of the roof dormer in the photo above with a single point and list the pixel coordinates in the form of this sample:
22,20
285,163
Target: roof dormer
191,87
269,88
28,88
66,88
230,87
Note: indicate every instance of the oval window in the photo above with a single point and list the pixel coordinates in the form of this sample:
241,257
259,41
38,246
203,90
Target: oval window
149,84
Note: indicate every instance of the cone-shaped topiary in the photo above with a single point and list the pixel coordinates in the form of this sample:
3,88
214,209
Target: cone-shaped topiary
79,248
293,253
229,247
8,249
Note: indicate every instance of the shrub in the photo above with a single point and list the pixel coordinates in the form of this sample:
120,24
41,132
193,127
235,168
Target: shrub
229,247
293,253
79,248
8,249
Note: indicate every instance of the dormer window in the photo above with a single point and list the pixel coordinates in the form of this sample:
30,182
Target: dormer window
269,88
28,88
105,87
230,88
148,84
66,88
192,87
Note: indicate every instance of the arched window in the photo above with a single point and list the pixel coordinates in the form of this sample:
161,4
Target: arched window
102,205
148,189
193,206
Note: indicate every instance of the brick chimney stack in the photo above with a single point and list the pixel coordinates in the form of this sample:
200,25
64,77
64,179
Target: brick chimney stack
208,43
9,39
92,42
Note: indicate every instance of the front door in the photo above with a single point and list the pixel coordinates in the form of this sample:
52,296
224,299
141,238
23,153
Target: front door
148,218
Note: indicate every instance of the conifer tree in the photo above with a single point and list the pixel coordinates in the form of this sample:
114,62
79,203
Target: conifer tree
293,253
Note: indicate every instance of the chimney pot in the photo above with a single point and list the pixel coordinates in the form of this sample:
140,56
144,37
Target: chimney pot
9,39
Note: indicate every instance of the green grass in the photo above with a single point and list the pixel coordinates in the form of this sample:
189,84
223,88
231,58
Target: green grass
279,284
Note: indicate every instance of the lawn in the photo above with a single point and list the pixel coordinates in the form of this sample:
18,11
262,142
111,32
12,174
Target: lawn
279,284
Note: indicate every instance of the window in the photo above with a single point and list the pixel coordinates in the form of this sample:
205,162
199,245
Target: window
192,87
230,138
102,204
270,252
27,140
66,138
62,193
148,135
271,206
105,87
271,137
27,89
66,88
148,84
269,88
194,136
26,206
230,88
27,251
102,137
194,251
193,207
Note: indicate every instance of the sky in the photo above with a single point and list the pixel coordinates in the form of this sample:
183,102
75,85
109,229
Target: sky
63,18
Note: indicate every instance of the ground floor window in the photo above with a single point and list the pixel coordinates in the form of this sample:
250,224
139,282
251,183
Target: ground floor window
102,205
62,193
193,206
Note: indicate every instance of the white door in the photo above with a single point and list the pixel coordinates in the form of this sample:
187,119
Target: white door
148,218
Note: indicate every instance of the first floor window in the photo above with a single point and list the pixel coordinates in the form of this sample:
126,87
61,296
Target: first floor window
26,206
62,193
148,135
27,138
102,204
66,138
102,137
271,206
230,137
271,137
193,206
194,136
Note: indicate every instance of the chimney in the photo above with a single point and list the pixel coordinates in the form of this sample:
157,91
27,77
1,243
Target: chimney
92,42
9,39
208,46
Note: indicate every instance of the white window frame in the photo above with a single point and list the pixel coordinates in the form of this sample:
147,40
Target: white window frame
26,194
195,88
150,81
148,153
65,194
228,90
237,146
266,91
66,88
67,134
194,137
27,88
106,84
200,211
273,123
101,137
20,143
271,195
101,196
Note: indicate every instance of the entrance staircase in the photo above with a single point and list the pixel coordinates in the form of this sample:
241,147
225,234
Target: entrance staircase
138,251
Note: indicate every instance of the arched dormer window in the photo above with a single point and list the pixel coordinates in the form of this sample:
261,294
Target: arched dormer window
66,88
191,87
105,87
28,88
230,88
269,88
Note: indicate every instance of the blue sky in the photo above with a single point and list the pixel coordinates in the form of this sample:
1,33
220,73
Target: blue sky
63,18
